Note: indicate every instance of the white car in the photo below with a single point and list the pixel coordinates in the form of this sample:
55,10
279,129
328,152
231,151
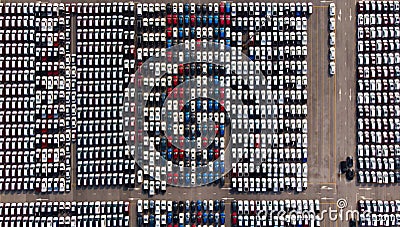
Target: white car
332,39
332,9
332,24
332,68
332,53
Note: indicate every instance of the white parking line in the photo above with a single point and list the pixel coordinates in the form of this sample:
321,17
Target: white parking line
350,14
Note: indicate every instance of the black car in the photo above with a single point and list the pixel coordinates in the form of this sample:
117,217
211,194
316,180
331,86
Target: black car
397,163
139,219
352,223
222,205
169,8
349,161
350,174
343,167
181,206
193,206
234,206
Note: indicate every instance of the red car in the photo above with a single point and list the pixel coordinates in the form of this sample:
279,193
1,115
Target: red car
175,81
227,20
175,92
192,20
181,154
181,103
234,218
216,153
222,20
169,19
205,142
169,139
175,19
222,93
169,178
181,69
222,8
181,138
199,217
169,32
169,56
175,153
181,95
176,178
221,105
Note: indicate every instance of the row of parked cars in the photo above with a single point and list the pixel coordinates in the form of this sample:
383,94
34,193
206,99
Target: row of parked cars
285,68
65,213
275,213
50,52
36,9
104,63
377,88
189,213
42,118
235,9
379,212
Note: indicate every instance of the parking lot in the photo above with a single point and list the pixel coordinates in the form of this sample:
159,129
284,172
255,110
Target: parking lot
331,132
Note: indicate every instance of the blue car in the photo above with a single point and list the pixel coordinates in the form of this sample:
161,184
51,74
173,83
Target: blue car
210,218
222,167
163,144
187,107
198,20
163,97
222,218
216,103
180,32
205,178
192,32
199,205
204,20
210,105
228,8
210,20
187,117
198,105
216,20
210,69
216,32
210,154
198,178
152,220
217,176
221,130
169,218
180,19
210,177
169,43
216,166
187,19
186,8
222,33
169,154
205,217
228,42
187,178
